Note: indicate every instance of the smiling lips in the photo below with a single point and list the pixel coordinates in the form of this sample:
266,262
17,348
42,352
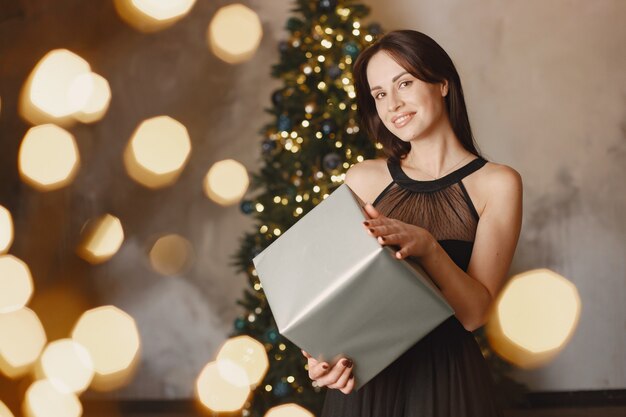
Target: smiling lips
402,119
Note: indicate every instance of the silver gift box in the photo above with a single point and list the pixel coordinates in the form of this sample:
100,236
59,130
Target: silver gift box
334,290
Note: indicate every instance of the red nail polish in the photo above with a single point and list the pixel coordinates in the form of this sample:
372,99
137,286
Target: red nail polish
347,363
371,230
351,376
366,223
325,366
383,239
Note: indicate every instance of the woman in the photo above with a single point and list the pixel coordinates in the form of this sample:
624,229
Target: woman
436,200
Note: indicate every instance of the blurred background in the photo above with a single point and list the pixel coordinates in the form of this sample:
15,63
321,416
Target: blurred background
130,135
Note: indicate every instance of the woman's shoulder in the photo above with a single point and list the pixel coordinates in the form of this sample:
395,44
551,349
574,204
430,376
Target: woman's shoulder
368,178
494,181
500,175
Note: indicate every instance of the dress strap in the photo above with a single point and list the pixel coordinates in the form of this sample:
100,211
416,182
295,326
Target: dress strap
403,180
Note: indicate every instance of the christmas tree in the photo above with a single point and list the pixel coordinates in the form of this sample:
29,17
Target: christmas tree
313,139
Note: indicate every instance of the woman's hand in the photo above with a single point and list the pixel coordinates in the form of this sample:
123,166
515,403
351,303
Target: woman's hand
339,376
412,240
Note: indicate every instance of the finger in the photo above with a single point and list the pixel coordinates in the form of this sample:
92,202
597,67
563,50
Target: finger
318,370
349,385
402,253
390,239
306,355
343,379
334,373
371,211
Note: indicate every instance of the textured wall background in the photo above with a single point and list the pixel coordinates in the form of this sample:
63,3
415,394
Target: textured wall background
546,89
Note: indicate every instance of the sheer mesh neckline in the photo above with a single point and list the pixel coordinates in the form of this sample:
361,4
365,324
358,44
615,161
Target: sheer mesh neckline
402,179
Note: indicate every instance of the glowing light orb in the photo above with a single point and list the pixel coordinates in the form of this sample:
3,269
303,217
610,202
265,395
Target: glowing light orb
216,393
248,354
22,341
67,365
288,410
48,157
16,283
6,230
4,410
56,88
534,318
226,38
152,15
101,240
157,152
42,399
226,182
112,340
171,255
98,101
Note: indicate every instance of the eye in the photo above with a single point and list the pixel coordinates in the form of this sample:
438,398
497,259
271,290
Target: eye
406,82
376,96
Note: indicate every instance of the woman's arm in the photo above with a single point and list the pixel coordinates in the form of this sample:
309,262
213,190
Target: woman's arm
470,294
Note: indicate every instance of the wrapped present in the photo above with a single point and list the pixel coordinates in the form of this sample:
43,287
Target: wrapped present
334,290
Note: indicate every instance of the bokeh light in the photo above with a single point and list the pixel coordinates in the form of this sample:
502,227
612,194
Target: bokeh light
101,239
248,354
16,284
216,393
152,15
4,410
171,255
98,102
22,341
157,152
67,365
226,182
226,38
48,157
56,88
6,230
534,318
111,337
42,399
288,410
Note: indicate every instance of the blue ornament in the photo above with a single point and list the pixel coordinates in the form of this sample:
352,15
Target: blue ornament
351,48
268,145
247,206
375,29
327,5
240,323
281,389
284,122
331,161
328,126
271,335
277,98
283,47
334,72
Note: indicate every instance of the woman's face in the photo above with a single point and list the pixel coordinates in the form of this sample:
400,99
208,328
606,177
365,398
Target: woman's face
409,107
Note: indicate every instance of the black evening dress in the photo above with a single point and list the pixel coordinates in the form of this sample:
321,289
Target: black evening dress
445,373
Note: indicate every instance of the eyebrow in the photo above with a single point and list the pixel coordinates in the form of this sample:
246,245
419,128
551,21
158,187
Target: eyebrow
392,80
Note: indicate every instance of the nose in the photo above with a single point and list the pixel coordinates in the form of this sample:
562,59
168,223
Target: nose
394,101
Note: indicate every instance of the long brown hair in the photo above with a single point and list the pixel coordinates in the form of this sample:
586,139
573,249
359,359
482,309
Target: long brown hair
423,58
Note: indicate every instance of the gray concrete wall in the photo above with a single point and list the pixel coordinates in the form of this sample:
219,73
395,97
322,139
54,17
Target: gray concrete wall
545,85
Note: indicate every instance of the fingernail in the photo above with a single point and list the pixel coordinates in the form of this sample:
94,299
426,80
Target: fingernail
382,238
366,223
347,363
371,230
325,366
